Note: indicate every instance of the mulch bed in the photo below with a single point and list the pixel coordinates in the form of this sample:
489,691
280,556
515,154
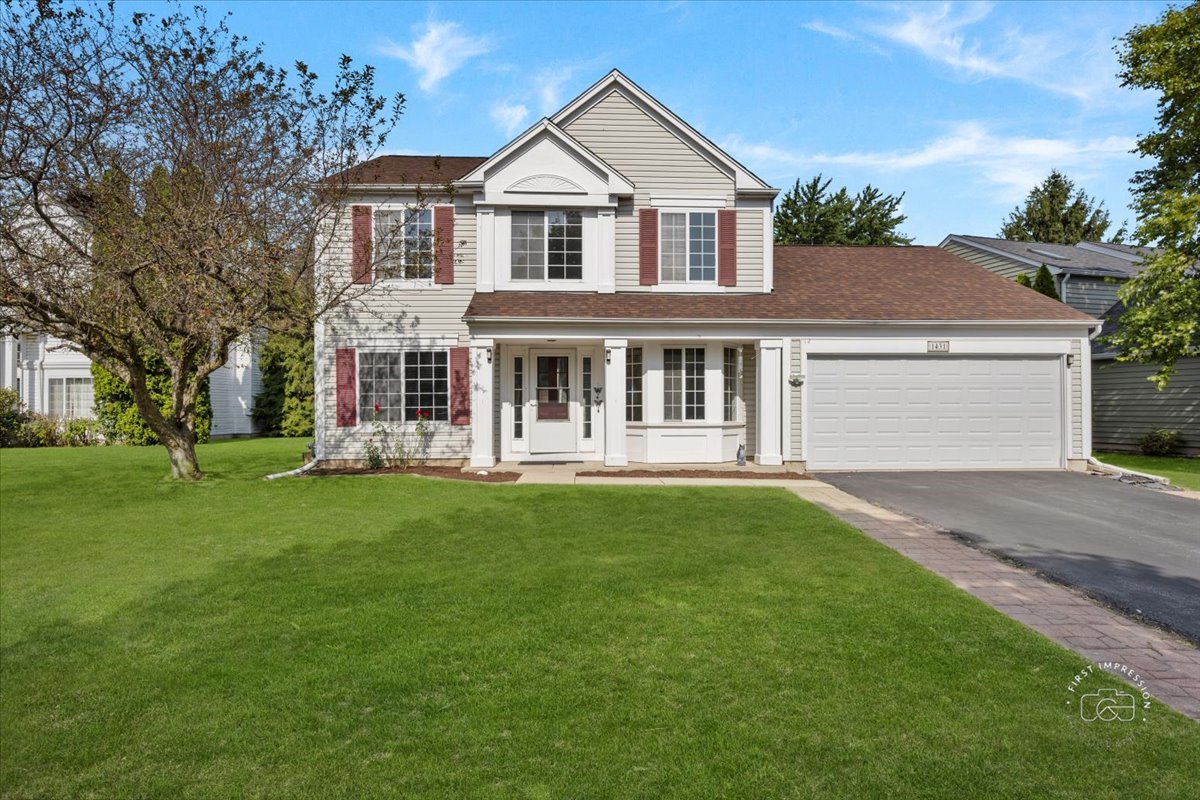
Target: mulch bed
450,473
692,473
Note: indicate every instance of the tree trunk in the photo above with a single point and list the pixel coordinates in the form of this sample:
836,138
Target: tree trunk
182,452
177,436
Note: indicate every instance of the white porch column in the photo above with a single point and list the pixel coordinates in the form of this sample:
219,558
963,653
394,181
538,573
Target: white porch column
615,454
483,454
770,402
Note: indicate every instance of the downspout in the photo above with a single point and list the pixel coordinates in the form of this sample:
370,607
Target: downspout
293,472
1062,291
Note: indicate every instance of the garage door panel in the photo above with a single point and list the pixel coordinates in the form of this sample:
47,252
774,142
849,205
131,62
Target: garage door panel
934,413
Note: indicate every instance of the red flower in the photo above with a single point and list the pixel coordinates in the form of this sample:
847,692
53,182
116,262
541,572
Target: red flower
377,408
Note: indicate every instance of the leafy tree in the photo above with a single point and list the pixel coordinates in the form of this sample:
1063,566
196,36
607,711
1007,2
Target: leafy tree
810,214
1162,322
285,404
1056,212
1043,282
118,414
157,195
1024,280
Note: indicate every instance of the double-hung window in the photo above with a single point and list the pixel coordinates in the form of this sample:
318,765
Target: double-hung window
633,384
688,247
404,244
404,387
683,383
547,245
729,375
70,398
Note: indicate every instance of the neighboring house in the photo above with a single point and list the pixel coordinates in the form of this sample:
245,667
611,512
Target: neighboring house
1086,275
1125,404
604,288
55,380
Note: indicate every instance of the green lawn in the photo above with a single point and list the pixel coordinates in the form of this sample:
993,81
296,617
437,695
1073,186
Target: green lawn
398,636
1183,472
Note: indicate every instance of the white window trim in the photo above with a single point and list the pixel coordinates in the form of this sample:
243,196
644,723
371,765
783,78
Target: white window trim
687,284
546,279
500,268
407,425
401,282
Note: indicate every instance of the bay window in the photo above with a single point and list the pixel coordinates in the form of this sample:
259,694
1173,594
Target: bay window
688,247
547,245
730,380
70,398
633,384
683,383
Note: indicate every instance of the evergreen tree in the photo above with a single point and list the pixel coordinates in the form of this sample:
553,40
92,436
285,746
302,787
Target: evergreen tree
810,213
1057,213
285,404
1044,282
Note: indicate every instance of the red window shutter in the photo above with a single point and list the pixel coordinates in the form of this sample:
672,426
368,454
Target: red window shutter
648,246
460,386
347,388
443,244
360,259
727,247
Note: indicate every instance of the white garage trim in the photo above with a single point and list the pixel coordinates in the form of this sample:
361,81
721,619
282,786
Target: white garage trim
888,411
957,346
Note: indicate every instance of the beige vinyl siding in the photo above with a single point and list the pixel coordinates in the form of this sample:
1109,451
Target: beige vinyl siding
392,315
794,395
659,163
1092,296
1076,402
989,261
750,393
1127,406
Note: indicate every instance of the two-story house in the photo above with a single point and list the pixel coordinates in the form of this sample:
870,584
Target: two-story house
605,288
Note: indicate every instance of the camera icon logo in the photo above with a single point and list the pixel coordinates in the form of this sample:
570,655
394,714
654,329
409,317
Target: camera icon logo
1107,705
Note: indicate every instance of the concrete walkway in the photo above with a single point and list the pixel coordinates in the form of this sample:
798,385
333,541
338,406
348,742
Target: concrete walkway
1170,665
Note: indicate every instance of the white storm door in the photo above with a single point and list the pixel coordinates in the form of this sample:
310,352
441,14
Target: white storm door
553,427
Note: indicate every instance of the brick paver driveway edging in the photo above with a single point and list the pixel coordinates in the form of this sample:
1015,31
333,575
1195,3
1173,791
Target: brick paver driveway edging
1170,665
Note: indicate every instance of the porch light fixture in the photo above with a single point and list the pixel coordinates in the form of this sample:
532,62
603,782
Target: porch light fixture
489,355
608,355
1070,360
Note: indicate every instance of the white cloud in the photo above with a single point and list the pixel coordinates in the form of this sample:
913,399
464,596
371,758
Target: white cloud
509,117
1075,60
1013,164
548,84
440,51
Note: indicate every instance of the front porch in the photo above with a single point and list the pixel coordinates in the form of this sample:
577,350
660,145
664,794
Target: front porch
615,402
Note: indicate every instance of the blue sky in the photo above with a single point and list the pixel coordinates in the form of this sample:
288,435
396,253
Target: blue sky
962,106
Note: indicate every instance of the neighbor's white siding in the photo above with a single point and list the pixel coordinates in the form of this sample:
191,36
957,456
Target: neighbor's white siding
231,390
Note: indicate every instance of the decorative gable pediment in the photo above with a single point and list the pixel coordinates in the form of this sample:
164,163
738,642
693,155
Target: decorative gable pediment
546,184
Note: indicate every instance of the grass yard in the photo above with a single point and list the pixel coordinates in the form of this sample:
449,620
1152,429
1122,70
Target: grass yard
400,636
1183,472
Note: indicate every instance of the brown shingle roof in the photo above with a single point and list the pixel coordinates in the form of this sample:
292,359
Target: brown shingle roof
814,283
424,170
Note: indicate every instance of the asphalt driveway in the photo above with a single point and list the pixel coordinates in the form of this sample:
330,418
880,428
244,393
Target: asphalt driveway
1138,549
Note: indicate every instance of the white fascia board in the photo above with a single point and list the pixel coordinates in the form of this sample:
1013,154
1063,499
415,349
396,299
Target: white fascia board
618,183
744,179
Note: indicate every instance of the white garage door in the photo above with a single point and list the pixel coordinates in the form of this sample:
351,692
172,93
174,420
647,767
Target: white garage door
934,413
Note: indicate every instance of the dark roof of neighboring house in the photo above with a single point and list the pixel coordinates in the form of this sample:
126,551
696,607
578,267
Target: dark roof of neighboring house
405,170
814,283
1065,257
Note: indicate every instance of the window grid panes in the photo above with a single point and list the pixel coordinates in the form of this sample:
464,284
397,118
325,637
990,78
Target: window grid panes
426,385
404,244
702,246
564,245
518,397
674,248
70,398
403,386
380,387
633,384
528,245
587,397
729,373
672,384
693,399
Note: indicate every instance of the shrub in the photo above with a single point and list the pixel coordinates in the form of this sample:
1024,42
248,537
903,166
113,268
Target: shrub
1023,279
117,414
13,417
1160,442
80,433
1044,282
41,431
285,404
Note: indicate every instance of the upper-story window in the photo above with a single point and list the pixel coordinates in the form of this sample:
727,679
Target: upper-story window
404,244
689,247
547,245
